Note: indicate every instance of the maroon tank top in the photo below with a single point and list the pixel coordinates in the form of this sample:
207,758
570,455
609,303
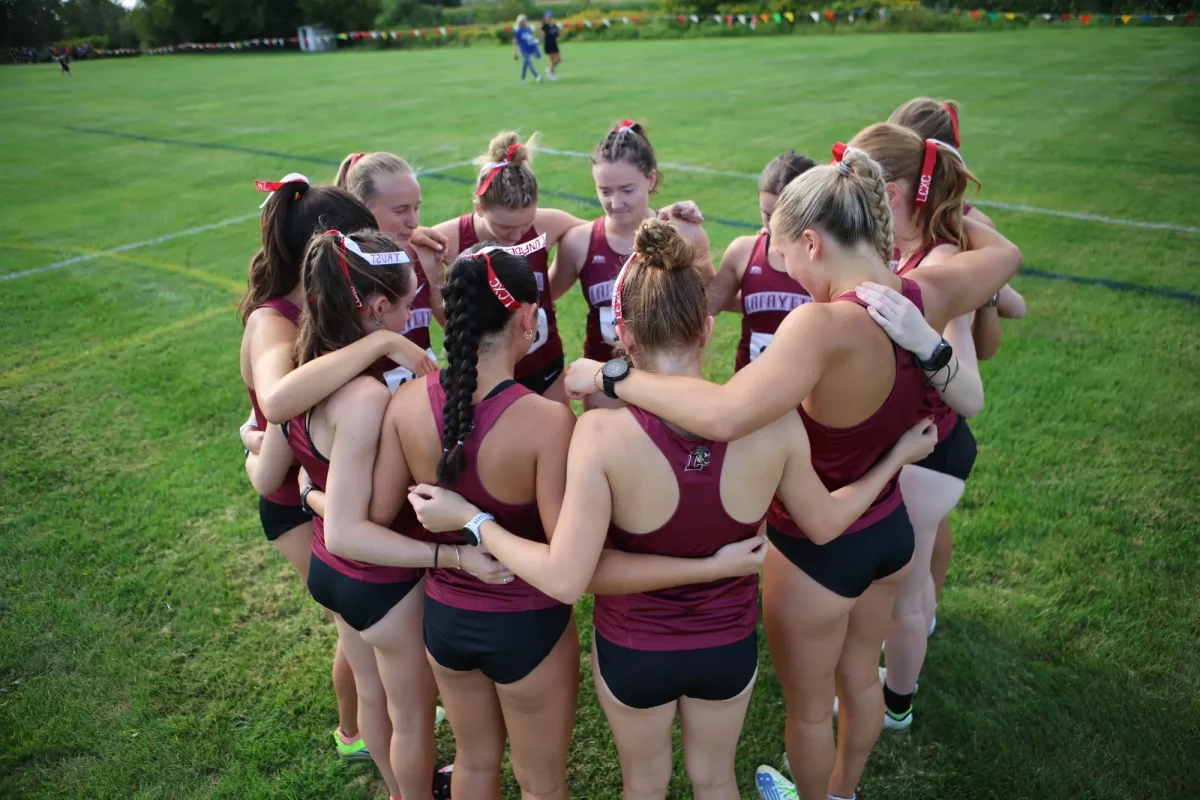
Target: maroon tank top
300,439
417,329
596,279
288,494
767,297
841,456
547,346
933,405
459,588
698,615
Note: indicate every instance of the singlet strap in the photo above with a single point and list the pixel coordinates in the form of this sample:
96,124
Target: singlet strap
283,306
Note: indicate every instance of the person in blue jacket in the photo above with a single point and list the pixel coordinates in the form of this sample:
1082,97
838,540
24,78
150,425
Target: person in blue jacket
525,40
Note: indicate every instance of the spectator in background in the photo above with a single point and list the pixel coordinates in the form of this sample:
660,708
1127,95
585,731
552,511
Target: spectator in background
550,33
525,41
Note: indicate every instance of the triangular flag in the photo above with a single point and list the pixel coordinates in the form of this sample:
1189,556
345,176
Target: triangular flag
442,31
992,15
1086,18
753,23
829,16
635,19
625,20
974,15
778,17
1046,17
1125,18
1170,17
1147,18
416,32
742,19
608,23
815,16
588,22
765,17
1010,15
717,18
695,19
681,19
790,16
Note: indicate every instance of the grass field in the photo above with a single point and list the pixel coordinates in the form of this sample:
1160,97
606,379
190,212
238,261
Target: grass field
153,645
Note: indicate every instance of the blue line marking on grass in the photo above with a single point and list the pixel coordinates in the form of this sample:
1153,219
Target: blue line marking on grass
1107,283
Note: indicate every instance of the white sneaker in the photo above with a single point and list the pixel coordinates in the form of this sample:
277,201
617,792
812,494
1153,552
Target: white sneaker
539,78
553,77
933,625
524,81
772,785
893,722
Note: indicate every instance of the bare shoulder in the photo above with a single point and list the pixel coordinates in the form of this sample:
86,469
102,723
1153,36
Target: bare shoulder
449,229
555,223
940,255
360,395
738,252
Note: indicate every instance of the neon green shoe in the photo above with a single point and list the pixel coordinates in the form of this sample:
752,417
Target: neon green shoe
354,751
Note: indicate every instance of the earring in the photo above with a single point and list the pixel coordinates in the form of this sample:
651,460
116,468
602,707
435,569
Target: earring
528,334
378,322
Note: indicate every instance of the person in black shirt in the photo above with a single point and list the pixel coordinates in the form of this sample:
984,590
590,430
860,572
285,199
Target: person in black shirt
550,38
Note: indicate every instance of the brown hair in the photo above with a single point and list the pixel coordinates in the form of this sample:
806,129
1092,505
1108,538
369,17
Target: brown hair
627,141
663,302
782,170
900,153
330,319
473,312
293,214
848,201
514,186
359,173
929,118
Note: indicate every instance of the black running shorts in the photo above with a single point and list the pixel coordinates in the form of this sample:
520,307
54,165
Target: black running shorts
648,678
853,561
503,645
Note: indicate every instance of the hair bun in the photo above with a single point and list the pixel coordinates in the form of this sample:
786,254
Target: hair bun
660,245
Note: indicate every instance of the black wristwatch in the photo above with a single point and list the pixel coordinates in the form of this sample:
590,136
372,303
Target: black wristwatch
304,506
612,373
938,359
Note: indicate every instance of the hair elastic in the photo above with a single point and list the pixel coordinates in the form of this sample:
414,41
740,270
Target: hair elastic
840,150
492,169
931,146
274,186
953,123
626,126
354,159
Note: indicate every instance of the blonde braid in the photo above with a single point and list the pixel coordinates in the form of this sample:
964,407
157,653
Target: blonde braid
870,177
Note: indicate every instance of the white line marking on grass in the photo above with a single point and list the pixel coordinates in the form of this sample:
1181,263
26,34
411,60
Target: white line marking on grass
1049,212
67,262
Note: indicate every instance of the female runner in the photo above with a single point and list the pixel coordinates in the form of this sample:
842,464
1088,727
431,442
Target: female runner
677,588
934,120
387,185
752,268
506,211
827,607
505,657
625,170
357,284
271,313
928,232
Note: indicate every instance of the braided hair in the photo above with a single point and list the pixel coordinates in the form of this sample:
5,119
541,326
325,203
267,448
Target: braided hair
473,315
627,141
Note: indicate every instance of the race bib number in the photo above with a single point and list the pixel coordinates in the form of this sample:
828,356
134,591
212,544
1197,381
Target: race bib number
543,332
608,326
758,343
401,375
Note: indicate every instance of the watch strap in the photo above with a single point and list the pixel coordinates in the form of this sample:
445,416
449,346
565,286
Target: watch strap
476,522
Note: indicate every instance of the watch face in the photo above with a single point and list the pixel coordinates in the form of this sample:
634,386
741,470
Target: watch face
942,357
616,369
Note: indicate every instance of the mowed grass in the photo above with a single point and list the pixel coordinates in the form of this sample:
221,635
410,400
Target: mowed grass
153,645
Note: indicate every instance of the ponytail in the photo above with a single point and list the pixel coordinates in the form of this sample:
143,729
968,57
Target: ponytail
340,276
293,213
506,178
934,169
474,312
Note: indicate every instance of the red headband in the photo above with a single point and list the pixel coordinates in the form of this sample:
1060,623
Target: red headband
502,294
926,172
953,122
493,169
341,240
617,284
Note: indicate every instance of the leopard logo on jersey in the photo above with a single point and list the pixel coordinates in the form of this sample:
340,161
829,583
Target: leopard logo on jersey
698,459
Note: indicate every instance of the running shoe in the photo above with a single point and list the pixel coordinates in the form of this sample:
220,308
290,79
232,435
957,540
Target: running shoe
773,786
354,751
897,722
441,783
932,625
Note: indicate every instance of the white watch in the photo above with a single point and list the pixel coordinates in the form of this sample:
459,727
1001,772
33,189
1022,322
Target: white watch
471,529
